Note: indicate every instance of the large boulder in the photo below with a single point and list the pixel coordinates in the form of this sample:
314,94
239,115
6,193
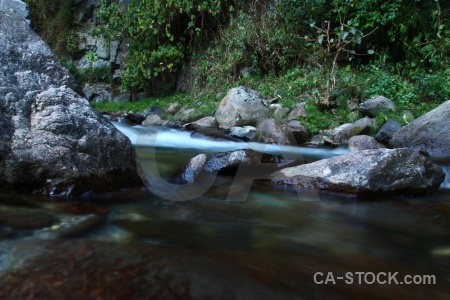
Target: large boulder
17,6
52,141
428,134
241,106
367,172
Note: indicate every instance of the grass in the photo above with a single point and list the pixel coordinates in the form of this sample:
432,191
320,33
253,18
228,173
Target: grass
302,85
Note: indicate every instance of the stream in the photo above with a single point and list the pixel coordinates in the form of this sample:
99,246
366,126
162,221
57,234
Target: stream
270,244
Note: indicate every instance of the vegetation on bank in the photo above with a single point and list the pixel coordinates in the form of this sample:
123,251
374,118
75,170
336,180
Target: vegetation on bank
322,52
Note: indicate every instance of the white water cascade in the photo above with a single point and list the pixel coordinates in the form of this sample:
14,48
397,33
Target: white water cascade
160,137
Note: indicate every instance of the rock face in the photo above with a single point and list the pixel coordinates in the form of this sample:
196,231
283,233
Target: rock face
428,134
373,106
367,172
241,106
17,6
52,141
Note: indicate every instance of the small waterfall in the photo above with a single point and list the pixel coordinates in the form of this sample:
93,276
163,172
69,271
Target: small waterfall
446,183
160,137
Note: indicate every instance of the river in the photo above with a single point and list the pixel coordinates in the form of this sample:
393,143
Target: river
274,243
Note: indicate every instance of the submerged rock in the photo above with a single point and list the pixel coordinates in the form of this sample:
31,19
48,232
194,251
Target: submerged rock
21,218
51,140
367,172
428,134
241,106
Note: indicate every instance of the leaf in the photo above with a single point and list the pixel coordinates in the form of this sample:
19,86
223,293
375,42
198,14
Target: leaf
347,68
320,39
371,51
312,24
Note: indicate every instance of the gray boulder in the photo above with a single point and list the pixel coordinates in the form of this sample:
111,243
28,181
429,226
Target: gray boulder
343,133
301,132
428,134
271,132
203,123
192,169
374,106
241,106
52,141
299,111
387,131
152,120
228,161
363,142
367,172
20,7
246,132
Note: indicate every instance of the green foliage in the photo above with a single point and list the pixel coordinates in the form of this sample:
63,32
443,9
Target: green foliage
161,33
53,21
140,106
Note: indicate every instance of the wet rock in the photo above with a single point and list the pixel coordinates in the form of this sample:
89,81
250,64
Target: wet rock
374,106
56,144
135,118
21,218
192,169
387,131
212,135
246,133
299,111
428,134
363,142
272,132
241,106
227,161
152,120
301,132
367,172
206,122
105,270
70,226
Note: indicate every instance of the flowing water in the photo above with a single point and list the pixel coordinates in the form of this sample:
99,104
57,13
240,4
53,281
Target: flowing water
272,242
